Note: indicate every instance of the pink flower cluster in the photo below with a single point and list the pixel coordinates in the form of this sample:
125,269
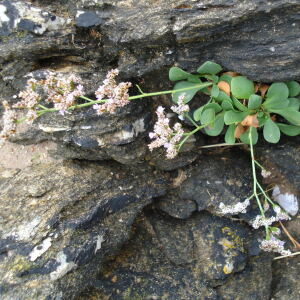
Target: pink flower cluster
164,135
273,244
181,108
116,94
9,123
62,92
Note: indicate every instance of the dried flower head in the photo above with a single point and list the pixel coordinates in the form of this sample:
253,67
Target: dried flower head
263,221
30,98
181,108
164,135
265,173
237,208
117,94
9,123
273,244
62,91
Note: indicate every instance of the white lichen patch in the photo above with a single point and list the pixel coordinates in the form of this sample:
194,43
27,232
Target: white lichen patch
99,242
287,201
50,129
44,21
3,16
139,126
24,231
64,266
40,249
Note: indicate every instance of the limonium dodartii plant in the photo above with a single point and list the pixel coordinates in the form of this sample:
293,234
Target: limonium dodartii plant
245,108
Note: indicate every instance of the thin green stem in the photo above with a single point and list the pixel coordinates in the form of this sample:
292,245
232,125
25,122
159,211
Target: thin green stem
190,134
254,174
265,194
144,95
259,165
191,119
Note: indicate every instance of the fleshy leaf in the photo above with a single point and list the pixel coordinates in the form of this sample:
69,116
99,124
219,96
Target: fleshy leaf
222,96
176,74
197,113
189,94
275,102
225,87
245,136
207,116
227,105
232,117
226,78
209,67
271,132
229,136
294,88
216,127
278,90
215,91
294,103
242,87
239,105
254,101
289,114
290,130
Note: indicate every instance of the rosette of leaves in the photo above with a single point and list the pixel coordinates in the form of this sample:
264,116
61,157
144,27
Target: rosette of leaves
239,103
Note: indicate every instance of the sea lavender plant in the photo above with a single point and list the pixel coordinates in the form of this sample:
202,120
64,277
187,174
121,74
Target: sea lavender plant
242,105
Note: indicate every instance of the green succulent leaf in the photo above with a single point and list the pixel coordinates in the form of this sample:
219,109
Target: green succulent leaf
213,78
245,138
189,94
229,136
207,116
215,91
197,113
254,101
290,114
226,78
209,67
242,87
232,117
271,132
262,118
294,103
194,78
294,88
217,127
290,130
275,102
222,96
278,90
176,74
239,105
227,105
217,108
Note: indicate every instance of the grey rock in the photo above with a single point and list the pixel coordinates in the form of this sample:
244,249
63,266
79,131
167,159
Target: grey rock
254,282
172,259
217,178
60,222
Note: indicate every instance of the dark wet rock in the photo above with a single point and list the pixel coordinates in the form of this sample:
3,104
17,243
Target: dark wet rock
171,259
59,220
176,207
254,282
217,178
286,279
281,160
285,283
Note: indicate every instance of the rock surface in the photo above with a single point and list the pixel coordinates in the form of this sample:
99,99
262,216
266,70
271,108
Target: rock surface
58,220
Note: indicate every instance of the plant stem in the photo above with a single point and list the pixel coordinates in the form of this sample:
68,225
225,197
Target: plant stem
191,119
144,95
189,134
